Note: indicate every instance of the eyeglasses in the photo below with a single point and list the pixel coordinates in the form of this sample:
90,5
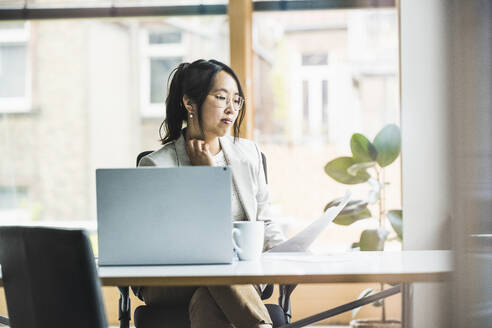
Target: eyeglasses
222,101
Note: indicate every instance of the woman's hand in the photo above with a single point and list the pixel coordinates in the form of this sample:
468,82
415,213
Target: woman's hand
199,152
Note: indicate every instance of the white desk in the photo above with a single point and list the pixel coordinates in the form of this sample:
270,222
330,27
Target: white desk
404,267
285,268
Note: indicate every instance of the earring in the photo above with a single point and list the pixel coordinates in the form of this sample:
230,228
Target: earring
191,115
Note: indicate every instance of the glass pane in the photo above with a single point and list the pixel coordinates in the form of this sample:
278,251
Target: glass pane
324,101
164,37
93,80
11,198
12,70
160,70
305,100
314,59
321,76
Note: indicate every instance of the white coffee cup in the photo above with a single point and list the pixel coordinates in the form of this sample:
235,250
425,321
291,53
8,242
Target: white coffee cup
247,237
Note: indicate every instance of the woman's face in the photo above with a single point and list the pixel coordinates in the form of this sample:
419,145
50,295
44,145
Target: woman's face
218,114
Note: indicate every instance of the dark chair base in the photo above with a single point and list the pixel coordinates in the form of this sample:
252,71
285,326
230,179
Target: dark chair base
177,317
161,317
276,314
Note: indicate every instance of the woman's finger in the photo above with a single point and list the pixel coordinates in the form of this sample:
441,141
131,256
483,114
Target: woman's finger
190,147
198,146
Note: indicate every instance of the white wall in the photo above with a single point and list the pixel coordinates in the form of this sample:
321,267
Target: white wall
425,146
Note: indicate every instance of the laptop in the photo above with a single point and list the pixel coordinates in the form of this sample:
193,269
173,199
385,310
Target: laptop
159,216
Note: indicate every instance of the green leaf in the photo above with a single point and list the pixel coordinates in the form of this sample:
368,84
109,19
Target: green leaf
388,145
396,219
337,170
362,149
355,210
348,219
366,292
373,240
354,169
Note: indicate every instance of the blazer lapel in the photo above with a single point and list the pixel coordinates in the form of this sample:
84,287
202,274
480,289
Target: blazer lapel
181,155
241,177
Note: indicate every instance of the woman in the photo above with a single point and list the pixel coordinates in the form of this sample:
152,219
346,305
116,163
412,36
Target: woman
207,96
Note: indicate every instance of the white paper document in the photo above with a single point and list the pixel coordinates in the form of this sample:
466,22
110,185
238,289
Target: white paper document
304,239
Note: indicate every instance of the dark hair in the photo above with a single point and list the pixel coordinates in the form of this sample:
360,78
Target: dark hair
195,81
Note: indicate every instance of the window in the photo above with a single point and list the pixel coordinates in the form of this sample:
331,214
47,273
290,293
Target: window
322,75
324,103
314,59
314,72
87,79
15,91
165,37
13,204
160,68
163,51
11,197
305,100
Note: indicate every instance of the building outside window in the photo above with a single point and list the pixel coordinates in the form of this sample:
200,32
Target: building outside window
321,76
100,86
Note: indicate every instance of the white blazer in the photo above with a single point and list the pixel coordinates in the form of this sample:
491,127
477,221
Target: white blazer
246,165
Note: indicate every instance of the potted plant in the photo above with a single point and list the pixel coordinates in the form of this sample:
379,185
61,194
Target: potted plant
367,165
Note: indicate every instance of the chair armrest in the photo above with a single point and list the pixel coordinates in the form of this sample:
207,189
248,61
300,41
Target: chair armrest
284,300
124,307
267,292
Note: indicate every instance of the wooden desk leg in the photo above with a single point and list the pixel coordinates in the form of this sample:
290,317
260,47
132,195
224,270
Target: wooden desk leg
407,305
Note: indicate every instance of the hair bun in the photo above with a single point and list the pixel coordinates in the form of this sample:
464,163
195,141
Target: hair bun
184,67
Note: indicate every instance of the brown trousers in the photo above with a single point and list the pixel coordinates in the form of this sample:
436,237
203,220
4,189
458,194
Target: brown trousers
238,306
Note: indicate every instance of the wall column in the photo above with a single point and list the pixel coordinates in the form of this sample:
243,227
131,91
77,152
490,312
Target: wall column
425,127
240,29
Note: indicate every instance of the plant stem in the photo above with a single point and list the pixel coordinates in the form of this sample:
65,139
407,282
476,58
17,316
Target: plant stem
383,194
383,309
380,201
382,210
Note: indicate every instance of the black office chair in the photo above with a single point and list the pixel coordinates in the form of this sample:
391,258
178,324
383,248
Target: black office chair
50,278
146,316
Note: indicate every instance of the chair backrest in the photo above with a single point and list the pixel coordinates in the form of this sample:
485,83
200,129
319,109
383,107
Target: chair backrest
50,278
143,154
263,159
